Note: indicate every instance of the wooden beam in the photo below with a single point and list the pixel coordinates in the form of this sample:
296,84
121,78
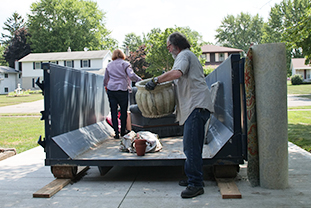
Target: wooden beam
6,153
228,189
57,185
52,188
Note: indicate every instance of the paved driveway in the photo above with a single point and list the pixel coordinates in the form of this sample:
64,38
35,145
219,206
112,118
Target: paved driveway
296,100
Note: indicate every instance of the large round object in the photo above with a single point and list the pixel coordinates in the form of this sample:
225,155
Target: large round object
155,103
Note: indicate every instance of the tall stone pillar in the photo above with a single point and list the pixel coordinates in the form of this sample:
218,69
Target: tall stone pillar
269,62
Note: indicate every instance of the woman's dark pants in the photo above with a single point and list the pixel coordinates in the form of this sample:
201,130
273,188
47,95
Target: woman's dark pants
118,98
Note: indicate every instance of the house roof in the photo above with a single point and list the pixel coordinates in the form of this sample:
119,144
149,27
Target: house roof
73,55
218,49
299,63
6,69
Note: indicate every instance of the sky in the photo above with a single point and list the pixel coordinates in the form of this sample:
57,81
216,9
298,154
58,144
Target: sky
140,16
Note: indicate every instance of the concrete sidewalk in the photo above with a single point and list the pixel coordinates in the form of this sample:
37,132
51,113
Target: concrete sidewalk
297,100
30,107
126,187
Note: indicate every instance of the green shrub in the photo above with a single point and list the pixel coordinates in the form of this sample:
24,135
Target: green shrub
34,91
207,70
296,79
18,94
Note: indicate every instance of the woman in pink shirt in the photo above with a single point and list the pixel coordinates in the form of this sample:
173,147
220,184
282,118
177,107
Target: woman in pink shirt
117,81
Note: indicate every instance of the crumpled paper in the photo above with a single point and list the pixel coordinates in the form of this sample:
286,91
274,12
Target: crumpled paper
153,143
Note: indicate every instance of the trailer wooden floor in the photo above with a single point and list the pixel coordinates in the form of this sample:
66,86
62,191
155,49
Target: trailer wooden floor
109,150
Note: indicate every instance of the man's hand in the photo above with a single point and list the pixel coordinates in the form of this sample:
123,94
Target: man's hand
151,85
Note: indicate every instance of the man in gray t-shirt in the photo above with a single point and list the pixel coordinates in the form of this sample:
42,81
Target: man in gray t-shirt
193,107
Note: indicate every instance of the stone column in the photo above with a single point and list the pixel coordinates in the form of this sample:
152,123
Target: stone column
269,62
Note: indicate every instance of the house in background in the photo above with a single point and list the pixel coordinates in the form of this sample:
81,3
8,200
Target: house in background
9,79
215,55
91,61
298,66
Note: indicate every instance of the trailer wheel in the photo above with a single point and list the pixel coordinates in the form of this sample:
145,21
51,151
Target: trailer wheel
64,171
226,171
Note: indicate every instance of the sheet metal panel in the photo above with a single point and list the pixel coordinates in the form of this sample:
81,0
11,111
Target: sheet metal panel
77,142
223,124
77,99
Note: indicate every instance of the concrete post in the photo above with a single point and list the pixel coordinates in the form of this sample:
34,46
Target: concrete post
269,62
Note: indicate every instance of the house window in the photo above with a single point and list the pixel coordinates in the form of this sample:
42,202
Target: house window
69,64
6,89
6,75
221,56
85,63
37,65
300,73
208,57
308,74
53,62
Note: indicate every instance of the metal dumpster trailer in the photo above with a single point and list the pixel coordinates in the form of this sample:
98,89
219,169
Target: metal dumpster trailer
76,133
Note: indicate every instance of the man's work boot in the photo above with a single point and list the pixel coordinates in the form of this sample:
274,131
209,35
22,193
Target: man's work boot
192,191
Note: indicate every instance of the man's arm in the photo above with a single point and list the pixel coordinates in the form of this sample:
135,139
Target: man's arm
169,76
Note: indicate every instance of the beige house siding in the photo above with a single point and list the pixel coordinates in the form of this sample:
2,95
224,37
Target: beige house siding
298,66
215,55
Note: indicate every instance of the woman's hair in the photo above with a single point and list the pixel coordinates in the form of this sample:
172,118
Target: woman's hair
179,40
117,54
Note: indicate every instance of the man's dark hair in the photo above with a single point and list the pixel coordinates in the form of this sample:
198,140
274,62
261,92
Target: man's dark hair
179,40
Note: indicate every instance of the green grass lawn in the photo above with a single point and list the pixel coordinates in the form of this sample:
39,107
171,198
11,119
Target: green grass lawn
299,128
20,132
299,89
299,118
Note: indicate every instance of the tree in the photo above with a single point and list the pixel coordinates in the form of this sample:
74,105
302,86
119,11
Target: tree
301,35
282,17
11,25
240,32
138,61
55,25
2,59
132,42
206,43
158,57
18,47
